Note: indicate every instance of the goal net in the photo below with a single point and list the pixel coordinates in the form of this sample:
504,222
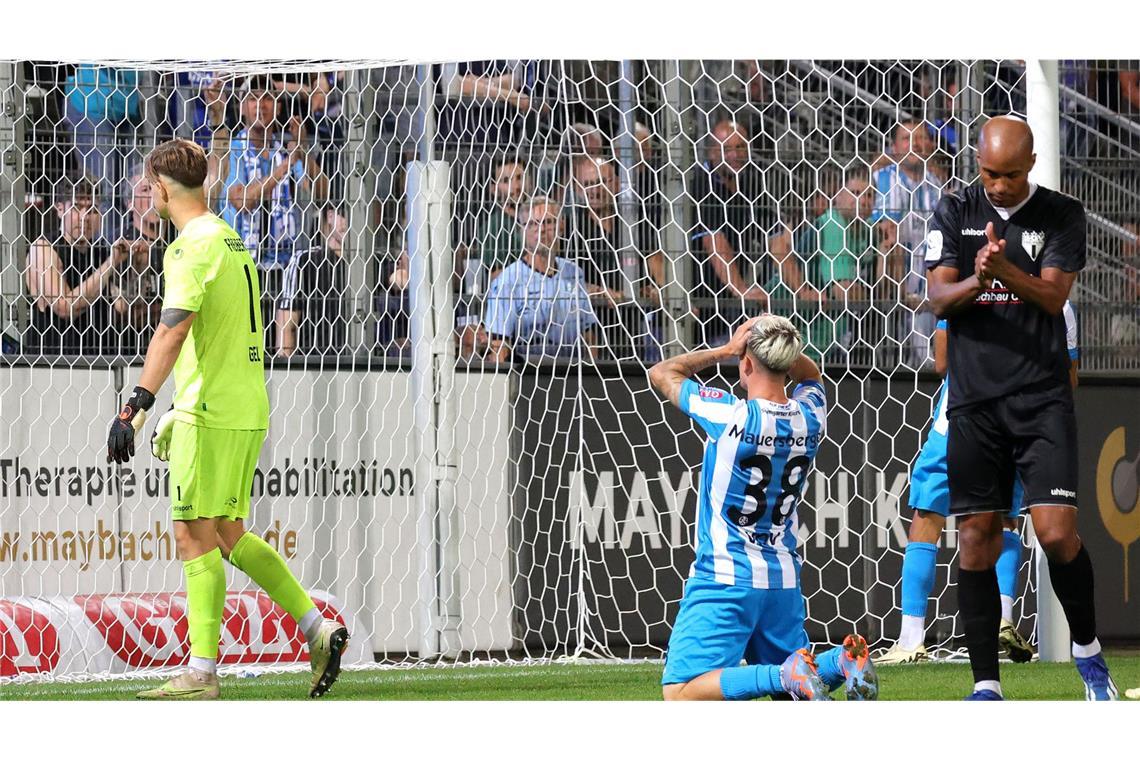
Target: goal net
465,460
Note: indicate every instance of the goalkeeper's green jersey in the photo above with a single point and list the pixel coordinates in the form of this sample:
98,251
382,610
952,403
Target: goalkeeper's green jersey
219,378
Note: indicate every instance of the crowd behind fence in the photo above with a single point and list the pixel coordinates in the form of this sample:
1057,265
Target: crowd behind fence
612,211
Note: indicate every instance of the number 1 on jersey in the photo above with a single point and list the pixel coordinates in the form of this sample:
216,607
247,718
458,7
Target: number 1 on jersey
252,306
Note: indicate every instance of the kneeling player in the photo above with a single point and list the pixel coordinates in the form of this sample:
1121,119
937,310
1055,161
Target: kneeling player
930,500
742,600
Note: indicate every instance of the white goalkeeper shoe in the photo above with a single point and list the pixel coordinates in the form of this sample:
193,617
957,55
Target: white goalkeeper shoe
324,656
897,655
189,685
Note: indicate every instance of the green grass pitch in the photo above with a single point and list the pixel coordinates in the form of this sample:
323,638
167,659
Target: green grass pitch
584,681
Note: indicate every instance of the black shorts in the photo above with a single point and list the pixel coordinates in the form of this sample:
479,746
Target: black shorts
1032,433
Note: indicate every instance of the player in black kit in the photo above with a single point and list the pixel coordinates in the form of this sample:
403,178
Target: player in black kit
1002,258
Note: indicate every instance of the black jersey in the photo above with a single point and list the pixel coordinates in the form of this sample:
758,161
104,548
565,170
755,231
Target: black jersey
1001,344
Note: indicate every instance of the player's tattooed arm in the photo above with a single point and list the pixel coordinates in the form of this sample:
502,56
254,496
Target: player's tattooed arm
174,317
668,375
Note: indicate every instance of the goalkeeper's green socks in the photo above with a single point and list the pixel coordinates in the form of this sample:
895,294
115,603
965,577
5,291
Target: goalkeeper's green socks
205,598
267,568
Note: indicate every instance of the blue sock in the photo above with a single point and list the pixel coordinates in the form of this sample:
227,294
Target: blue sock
1009,563
828,666
918,577
750,682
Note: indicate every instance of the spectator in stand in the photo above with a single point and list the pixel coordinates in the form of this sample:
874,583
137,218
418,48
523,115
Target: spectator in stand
555,171
650,205
201,106
213,122
393,305
135,302
498,240
744,250
538,306
329,126
1124,326
141,222
135,291
500,103
906,193
69,272
270,174
843,262
103,112
310,314
736,89
829,180
604,246
314,100
1117,88
398,130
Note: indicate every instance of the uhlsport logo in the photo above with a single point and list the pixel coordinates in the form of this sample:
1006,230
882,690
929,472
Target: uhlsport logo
1117,494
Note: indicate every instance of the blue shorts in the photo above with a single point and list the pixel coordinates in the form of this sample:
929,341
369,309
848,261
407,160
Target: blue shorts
719,625
929,486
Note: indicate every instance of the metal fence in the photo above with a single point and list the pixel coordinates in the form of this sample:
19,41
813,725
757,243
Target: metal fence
648,125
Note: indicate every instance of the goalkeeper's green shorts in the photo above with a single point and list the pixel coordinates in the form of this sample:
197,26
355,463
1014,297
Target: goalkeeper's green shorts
211,471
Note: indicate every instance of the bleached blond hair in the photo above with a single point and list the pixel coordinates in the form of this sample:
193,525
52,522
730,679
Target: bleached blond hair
775,342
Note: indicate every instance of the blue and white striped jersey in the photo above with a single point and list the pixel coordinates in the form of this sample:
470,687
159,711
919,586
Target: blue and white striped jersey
757,459
941,425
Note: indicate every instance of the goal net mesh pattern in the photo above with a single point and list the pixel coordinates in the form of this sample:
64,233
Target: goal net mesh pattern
465,458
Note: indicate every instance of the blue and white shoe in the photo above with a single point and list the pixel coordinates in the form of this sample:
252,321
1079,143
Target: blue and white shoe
1099,686
800,679
985,695
859,677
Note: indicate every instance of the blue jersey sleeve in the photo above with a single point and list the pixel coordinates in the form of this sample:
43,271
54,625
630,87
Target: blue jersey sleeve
712,408
812,394
1071,331
236,175
941,325
883,182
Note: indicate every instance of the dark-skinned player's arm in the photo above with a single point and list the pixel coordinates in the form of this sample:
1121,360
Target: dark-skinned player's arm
668,375
1048,292
940,352
174,326
946,293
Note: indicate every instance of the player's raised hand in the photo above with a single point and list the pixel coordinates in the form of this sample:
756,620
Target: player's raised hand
991,256
739,342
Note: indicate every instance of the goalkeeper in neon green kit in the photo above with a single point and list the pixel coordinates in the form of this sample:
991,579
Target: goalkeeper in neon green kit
211,336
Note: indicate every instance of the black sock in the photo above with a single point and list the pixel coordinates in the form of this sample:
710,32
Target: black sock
1073,584
979,603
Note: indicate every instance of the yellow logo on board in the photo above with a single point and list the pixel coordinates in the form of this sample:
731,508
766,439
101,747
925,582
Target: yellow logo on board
1118,494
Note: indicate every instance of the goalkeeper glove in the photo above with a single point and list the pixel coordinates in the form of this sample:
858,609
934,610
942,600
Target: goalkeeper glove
121,439
160,438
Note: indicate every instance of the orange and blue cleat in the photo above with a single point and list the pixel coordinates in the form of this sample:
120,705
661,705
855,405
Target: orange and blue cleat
800,679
